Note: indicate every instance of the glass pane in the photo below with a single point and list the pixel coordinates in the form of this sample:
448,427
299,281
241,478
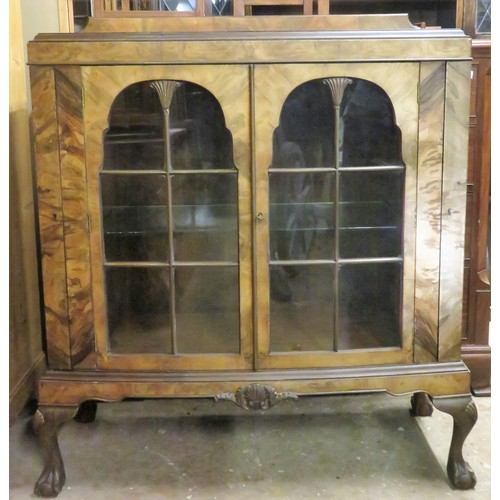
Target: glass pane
207,310
369,305
432,13
483,16
162,5
370,215
134,149
305,137
301,308
205,217
179,5
301,216
368,133
134,217
208,143
134,139
222,7
198,138
138,310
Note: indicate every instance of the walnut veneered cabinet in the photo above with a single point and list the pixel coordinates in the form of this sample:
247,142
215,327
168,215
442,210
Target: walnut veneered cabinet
251,209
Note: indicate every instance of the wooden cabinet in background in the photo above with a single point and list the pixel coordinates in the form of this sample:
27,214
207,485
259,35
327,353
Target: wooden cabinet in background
477,292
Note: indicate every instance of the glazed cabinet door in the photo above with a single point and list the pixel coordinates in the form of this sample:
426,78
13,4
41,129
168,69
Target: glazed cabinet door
168,168
335,190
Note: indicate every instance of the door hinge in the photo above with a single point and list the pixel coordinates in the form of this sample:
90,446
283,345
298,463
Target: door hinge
89,222
83,96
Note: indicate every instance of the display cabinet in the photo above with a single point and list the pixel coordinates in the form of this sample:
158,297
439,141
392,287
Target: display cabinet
270,210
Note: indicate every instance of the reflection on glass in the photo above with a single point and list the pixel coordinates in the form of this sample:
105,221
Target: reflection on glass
133,150
304,137
198,136
207,310
169,193
134,217
205,217
369,305
163,5
222,7
350,209
483,16
134,139
138,310
301,216
370,215
301,312
369,135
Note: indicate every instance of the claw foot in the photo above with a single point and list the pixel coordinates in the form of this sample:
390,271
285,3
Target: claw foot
461,475
51,482
47,422
464,413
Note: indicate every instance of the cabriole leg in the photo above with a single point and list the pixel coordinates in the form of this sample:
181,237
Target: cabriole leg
87,412
421,405
47,422
464,413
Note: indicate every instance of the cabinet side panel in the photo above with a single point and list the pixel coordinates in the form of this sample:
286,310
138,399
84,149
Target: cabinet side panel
75,208
429,185
453,208
50,213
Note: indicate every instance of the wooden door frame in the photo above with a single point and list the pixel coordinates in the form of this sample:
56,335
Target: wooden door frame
101,85
66,21
266,122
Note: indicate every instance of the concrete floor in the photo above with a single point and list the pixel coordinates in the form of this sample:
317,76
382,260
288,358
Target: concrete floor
340,447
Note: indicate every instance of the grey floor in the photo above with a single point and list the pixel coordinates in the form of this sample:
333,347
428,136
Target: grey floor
337,447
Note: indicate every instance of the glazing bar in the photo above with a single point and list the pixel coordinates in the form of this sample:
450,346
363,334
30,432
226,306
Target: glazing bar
170,225
337,87
166,90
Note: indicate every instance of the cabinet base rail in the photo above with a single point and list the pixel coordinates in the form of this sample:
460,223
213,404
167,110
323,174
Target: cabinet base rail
67,395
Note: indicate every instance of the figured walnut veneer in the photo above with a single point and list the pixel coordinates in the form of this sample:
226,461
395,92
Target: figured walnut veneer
429,185
50,217
251,65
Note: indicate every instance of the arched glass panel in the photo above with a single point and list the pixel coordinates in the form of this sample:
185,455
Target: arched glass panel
336,190
169,200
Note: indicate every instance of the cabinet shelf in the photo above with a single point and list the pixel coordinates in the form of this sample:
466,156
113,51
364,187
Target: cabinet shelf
312,170
345,228
113,138
167,264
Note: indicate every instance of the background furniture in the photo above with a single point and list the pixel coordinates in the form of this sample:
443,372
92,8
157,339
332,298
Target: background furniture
243,7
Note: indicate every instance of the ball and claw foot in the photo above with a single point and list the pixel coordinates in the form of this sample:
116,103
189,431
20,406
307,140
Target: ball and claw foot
461,475
47,422
51,482
464,413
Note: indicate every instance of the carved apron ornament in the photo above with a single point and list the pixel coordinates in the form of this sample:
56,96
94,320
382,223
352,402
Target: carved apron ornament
255,397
